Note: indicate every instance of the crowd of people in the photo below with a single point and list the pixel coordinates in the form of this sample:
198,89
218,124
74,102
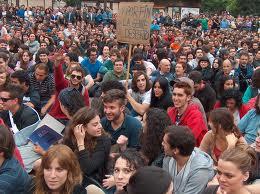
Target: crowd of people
187,121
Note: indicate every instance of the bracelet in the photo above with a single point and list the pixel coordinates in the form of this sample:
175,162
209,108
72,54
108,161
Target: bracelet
81,145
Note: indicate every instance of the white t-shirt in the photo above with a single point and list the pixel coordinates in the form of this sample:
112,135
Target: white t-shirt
236,117
144,98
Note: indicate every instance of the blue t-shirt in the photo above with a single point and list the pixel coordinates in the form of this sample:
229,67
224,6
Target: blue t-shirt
92,68
130,128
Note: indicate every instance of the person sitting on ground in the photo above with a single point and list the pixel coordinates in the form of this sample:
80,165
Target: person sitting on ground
186,113
164,70
161,96
223,135
154,122
15,114
152,180
190,168
125,165
250,123
233,171
226,82
31,97
74,80
59,172
139,96
123,129
86,137
254,88
203,91
118,72
232,99
13,178
43,82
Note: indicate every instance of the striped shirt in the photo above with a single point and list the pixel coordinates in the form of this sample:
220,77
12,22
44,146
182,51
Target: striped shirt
46,88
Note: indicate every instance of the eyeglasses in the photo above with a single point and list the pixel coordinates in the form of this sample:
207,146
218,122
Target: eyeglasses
78,77
5,99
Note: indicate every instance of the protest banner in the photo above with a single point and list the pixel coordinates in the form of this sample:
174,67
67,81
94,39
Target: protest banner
133,25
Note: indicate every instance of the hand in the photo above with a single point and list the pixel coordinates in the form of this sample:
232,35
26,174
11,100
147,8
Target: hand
231,139
221,191
43,111
122,142
108,182
38,149
58,59
79,133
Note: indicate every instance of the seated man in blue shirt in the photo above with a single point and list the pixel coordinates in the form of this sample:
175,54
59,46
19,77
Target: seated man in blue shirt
124,129
93,66
164,71
13,178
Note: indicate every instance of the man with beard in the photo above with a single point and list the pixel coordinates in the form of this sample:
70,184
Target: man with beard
124,129
74,80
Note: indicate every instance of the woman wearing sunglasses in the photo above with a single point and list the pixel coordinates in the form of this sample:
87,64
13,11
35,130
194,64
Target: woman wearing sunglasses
74,80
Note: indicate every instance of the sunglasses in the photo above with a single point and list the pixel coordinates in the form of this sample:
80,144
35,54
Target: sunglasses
78,77
5,99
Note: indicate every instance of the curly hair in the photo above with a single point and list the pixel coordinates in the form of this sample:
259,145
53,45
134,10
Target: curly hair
156,122
234,94
222,82
67,161
134,81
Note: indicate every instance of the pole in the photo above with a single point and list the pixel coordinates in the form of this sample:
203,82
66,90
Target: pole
128,65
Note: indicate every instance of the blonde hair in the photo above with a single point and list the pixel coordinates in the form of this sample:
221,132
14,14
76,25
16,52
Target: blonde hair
68,161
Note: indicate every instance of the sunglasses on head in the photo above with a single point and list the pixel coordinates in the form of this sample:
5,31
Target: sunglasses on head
5,99
78,77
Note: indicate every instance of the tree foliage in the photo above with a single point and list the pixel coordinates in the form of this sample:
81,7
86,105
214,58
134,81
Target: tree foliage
241,7
74,3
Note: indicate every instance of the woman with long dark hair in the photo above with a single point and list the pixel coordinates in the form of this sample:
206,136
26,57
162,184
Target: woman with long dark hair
86,137
161,96
223,135
232,99
155,122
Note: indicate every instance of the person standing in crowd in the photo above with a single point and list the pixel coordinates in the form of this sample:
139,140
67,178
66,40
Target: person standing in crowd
190,168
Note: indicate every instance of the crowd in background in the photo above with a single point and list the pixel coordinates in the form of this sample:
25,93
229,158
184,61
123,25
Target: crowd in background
187,121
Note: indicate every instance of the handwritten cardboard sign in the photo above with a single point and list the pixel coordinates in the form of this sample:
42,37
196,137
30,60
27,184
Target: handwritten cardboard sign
133,22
